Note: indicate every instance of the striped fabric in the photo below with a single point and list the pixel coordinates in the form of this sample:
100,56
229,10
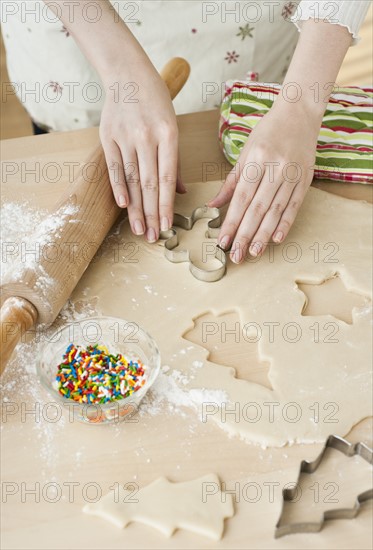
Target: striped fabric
345,144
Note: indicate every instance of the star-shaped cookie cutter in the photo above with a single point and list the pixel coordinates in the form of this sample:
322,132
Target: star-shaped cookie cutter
288,495
187,223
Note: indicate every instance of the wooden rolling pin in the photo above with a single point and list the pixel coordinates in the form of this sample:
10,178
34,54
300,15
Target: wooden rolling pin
85,213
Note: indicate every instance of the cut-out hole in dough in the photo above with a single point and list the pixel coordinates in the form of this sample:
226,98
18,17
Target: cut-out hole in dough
224,337
330,298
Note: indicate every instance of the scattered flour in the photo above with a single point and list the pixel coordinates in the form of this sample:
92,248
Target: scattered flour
20,386
167,394
40,233
13,215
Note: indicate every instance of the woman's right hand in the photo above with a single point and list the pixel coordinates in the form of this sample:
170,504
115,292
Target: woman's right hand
139,136
138,126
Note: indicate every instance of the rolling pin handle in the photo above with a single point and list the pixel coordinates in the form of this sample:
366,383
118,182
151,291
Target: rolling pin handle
17,316
175,74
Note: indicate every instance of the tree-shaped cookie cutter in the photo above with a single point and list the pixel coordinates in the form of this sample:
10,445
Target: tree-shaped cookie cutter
307,467
187,223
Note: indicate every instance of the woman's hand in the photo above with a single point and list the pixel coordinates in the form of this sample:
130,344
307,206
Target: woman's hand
140,139
276,165
138,124
269,182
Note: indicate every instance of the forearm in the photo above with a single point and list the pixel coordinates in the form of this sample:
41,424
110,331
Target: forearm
107,43
315,66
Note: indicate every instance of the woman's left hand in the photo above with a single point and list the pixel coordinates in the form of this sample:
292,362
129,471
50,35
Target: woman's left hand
270,180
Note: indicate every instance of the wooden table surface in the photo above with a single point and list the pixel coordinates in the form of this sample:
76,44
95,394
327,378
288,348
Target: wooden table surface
36,453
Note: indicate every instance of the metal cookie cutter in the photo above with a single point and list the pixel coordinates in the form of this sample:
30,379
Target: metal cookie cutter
187,222
307,467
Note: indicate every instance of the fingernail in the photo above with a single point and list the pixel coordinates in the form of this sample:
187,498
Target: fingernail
165,224
237,255
224,242
151,236
138,227
279,237
255,249
122,201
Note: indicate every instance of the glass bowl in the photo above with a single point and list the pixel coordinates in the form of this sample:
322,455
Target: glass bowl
119,336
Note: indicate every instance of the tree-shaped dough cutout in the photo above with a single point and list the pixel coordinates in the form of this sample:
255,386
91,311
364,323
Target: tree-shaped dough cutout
227,342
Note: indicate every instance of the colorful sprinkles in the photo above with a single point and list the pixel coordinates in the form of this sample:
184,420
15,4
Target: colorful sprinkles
93,375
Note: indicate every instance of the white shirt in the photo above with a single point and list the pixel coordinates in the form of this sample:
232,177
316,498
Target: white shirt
348,13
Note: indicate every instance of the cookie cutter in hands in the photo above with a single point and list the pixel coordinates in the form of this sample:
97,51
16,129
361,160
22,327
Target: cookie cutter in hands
187,223
288,495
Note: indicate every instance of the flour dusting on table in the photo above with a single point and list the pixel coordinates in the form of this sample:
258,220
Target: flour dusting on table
26,234
170,394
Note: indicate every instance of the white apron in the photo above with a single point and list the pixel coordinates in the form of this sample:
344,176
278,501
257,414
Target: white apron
221,41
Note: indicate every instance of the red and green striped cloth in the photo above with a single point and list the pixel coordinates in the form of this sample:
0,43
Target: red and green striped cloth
345,144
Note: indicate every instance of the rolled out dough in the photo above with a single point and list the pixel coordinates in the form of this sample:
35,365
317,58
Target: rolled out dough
198,506
320,366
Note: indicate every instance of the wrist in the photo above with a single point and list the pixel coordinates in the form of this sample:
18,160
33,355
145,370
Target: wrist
309,97
302,107
126,70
